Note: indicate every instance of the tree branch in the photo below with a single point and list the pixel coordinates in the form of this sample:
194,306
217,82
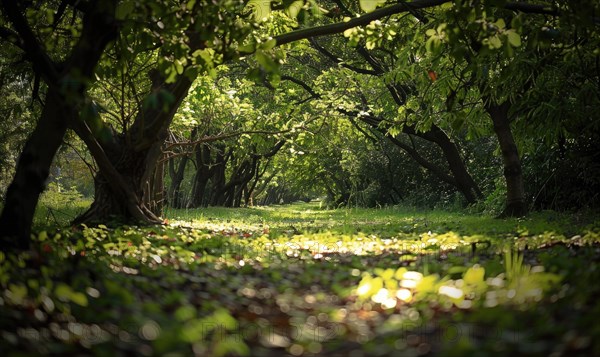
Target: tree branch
11,37
357,21
399,8
532,8
339,61
302,84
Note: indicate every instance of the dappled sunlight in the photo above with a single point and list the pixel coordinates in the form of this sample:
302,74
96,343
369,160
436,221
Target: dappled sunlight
256,284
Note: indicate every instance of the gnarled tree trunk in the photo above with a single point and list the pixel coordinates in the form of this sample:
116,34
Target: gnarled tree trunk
154,192
119,189
126,166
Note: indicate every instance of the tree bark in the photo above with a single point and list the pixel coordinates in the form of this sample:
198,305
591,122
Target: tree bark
154,193
119,185
175,198
515,191
463,180
32,171
127,165
205,170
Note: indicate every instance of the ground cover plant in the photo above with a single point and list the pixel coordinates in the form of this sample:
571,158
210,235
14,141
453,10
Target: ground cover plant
305,280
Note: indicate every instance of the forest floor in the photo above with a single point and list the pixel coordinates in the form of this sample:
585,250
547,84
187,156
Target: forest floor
303,280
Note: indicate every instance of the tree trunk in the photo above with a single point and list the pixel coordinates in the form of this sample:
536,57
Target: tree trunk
175,198
219,179
32,171
515,191
126,167
204,172
154,193
119,188
250,189
463,180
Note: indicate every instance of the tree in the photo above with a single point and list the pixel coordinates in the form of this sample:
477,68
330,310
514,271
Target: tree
493,62
353,104
192,36
67,82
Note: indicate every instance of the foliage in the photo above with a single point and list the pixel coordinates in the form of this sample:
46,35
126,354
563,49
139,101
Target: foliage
305,280
17,109
445,62
60,205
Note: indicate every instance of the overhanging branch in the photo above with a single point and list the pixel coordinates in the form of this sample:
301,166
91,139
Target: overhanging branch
395,9
357,21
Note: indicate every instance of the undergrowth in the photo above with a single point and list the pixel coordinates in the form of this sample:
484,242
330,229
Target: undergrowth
303,280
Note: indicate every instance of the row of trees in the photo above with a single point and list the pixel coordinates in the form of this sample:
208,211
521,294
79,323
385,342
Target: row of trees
143,86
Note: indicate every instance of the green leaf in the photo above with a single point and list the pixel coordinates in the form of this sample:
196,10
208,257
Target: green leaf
293,7
42,236
178,66
370,5
231,345
224,319
495,42
124,9
386,274
265,61
204,56
474,275
458,123
190,4
400,273
513,38
433,45
249,48
260,8
500,24
17,292
516,23
79,298
185,313
269,44
196,330
63,291
427,284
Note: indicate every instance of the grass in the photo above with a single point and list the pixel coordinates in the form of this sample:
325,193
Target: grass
301,280
311,217
59,208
